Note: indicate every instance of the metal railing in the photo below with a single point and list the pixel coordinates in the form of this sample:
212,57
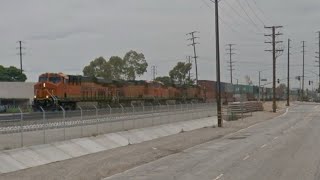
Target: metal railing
31,128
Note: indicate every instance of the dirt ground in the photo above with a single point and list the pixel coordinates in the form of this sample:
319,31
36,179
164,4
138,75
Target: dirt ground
267,106
110,162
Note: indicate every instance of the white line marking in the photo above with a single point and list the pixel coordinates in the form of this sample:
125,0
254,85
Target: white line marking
287,110
220,176
275,138
263,146
245,158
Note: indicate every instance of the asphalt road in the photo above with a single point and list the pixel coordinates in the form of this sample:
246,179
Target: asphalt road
286,148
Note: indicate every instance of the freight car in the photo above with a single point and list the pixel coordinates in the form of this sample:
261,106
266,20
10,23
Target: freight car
233,92
56,90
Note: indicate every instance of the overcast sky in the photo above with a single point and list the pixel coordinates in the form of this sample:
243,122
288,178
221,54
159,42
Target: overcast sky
64,36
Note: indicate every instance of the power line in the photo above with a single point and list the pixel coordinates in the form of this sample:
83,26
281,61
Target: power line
246,13
239,14
253,11
261,11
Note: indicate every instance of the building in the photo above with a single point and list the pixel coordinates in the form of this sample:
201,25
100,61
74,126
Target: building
16,93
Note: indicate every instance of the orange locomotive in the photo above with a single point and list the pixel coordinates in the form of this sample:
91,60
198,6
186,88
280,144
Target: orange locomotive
57,89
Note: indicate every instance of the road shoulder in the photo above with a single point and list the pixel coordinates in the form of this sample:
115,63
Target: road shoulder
110,162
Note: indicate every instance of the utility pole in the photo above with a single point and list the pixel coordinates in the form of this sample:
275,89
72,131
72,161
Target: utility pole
218,86
318,57
274,57
192,39
303,57
230,53
189,61
288,83
154,71
20,54
259,85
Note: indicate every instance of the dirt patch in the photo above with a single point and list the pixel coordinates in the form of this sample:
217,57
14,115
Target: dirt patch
267,106
107,163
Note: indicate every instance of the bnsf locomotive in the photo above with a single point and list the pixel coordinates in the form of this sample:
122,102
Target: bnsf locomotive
57,89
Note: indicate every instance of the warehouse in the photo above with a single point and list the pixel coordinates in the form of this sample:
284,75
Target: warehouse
16,93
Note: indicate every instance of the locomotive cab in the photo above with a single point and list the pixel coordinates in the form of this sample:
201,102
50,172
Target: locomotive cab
46,90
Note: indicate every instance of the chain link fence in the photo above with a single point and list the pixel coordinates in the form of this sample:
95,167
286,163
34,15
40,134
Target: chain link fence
30,128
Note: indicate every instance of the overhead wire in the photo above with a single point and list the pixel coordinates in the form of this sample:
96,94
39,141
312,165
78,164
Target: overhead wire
246,13
255,14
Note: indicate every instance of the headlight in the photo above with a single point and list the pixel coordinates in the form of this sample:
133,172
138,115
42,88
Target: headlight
35,97
47,96
44,85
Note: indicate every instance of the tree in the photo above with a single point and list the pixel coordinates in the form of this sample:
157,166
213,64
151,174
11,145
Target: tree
135,65
116,67
12,74
166,80
98,68
280,90
179,72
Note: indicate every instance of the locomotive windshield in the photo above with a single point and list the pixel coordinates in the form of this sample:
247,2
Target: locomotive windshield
43,78
55,79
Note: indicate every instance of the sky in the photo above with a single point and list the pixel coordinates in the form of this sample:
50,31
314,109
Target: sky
64,36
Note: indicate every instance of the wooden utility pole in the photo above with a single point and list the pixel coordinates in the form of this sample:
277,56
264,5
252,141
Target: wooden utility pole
218,86
274,57
20,54
303,57
318,61
288,83
231,63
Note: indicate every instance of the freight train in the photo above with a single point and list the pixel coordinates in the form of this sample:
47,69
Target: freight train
56,90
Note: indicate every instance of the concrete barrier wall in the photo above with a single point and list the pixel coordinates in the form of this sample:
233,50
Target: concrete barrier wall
22,158
59,130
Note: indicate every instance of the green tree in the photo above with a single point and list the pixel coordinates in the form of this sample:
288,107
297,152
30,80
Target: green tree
11,74
166,80
98,68
179,72
116,67
135,65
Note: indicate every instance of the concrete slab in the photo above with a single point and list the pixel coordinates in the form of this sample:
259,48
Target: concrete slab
197,124
160,131
141,134
105,141
50,152
150,133
117,139
9,164
71,148
186,126
27,157
172,129
89,145
130,136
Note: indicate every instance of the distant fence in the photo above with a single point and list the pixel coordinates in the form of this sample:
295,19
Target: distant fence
238,110
31,128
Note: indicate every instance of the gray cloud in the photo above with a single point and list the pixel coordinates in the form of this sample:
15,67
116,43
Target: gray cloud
64,36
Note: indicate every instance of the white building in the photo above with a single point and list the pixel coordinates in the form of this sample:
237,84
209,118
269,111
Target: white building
16,93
